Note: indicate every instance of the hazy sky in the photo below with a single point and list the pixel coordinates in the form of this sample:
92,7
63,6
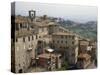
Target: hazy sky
73,12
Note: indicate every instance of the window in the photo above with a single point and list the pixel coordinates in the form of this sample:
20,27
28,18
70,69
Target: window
61,36
72,37
53,41
16,39
17,26
60,46
19,65
72,54
39,42
66,37
20,70
72,42
32,38
67,47
53,58
58,41
69,36
28,38
39,36
20,25
36,37
23,39
66,42
24,25
53,46
13,40
62,41
32,15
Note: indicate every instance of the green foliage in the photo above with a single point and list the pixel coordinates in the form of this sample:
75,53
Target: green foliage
64,66
85,33
87,30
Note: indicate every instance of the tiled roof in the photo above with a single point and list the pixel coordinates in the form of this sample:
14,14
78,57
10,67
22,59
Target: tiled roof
23,33
84,55
84,42
62,33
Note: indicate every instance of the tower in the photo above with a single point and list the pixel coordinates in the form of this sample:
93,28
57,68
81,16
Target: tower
32,14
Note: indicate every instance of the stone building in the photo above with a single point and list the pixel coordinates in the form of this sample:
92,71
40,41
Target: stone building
49,61
33,34
84,61
28,38
25,45
83,45
67,44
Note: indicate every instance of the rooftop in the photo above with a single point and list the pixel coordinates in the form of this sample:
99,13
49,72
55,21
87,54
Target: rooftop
84,56
22,19
23,33
63,33
84,43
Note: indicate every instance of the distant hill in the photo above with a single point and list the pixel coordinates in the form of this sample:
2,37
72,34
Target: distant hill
88,29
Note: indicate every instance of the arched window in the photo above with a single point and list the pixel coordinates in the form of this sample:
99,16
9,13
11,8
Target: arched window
20,71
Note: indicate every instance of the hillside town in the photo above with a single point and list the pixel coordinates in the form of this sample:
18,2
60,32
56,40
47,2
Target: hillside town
40,44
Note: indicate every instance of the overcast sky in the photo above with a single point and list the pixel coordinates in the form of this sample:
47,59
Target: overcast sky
73,12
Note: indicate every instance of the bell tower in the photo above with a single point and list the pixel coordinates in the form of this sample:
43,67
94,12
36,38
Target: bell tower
32,15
